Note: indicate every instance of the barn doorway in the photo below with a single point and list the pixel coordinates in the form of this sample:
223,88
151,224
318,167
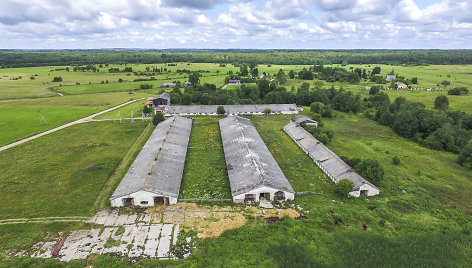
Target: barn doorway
128,202
279,196
365,192
249,198
161,200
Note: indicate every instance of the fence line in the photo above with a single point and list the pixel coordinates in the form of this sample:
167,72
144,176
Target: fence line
308,193
205,200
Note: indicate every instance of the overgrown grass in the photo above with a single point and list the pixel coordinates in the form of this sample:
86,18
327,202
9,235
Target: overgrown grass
205,174
61,174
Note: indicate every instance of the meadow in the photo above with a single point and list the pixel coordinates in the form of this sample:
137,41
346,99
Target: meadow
62,173
421,218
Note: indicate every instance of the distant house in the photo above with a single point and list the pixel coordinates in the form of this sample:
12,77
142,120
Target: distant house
390,77
234,82
295,75
401,85
161,100
149,101
188,83
301,119
367,87
261,76
270,79
168,84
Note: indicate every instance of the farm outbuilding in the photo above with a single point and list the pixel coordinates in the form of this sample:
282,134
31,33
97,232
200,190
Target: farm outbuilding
252,170
243,109
330,163
301,119
154,177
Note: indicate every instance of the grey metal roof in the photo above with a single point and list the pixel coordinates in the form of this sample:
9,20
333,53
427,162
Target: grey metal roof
231,109
159,165
168,84
163,95
301,118
248,160
330,162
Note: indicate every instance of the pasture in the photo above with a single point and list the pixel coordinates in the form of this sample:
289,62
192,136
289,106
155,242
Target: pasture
62,173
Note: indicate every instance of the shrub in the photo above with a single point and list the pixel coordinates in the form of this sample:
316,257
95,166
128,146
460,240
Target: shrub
57,79
465,156
344,187
458,91
371,170
220,110
396,160
147,109
441,102
157,118
267,111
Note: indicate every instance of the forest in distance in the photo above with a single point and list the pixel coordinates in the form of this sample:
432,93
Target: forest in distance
30,58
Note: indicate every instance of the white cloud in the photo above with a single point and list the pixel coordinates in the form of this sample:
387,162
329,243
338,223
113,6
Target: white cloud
248,24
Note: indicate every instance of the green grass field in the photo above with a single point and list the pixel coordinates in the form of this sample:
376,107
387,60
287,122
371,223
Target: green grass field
20,119
205,175
49,176
422,217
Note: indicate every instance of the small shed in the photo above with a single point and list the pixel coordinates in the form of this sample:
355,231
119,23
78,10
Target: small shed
234,82
168,84
390,77
252,170
401,85
188,83
301,119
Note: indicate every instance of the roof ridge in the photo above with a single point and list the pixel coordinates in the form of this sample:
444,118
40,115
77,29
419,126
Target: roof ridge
145,184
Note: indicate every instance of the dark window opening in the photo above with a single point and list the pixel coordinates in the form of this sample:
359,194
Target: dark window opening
279,196
128,202
144,202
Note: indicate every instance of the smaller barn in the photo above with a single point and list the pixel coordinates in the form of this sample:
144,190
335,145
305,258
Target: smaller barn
252,170
188,83
234,82
301,119
401,85
155,175
329,162
390,77
168,85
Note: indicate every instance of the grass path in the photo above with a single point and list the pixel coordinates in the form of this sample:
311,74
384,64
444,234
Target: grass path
82,120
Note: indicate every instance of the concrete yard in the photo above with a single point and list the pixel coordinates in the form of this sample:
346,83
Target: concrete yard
140,238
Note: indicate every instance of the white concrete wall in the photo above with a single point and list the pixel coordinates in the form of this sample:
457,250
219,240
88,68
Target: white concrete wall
371,191
140,196
264,189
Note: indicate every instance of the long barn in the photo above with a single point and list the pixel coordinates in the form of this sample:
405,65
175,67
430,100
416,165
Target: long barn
252,170
240,109
328,161
154,177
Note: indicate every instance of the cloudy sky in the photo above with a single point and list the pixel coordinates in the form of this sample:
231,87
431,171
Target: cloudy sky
310,24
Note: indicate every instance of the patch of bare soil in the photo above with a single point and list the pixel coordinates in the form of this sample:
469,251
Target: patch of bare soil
212,221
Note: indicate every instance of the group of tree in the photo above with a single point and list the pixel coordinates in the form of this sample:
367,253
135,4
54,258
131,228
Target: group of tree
458,91
117,70
438,128
370,169
306,57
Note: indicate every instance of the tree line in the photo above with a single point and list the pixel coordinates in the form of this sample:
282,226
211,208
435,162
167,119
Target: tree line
15,58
